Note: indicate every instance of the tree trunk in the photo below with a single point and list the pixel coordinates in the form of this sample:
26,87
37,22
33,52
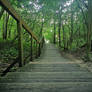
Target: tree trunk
89,27
41,29
79,6
5,24
71,35
64,41
1,13
59,30
10,27
54,40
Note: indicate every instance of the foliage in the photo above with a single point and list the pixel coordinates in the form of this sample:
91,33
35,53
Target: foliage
63,20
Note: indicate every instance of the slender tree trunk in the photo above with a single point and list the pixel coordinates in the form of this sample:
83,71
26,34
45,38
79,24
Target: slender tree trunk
89,27
1,13
78,37
64,41
41,29
71,35
59,30
85,20
54,40
3,26
10,27
68,40
6,25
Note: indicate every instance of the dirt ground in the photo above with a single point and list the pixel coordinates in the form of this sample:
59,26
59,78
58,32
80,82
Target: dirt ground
78,57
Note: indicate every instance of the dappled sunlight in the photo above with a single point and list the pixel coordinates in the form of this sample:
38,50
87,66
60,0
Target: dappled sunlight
47,41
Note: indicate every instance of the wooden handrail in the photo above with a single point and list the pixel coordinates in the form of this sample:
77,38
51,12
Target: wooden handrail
20,23
8,7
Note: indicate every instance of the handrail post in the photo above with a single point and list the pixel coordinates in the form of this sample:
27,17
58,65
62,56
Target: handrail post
20,43
31,53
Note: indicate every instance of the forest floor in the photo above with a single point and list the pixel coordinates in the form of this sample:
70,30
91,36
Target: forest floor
79,57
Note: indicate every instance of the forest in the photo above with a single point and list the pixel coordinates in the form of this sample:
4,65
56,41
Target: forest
65,23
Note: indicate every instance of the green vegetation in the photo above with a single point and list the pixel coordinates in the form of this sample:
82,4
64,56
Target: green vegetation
66,23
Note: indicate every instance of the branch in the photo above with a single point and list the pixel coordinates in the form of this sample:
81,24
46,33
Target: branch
82,12
86,6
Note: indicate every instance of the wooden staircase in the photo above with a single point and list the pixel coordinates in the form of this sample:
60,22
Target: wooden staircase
49,73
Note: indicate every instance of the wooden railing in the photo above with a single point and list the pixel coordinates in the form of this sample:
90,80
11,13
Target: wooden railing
20,23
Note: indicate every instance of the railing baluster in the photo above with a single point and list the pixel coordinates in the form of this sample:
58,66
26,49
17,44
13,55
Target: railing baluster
20,43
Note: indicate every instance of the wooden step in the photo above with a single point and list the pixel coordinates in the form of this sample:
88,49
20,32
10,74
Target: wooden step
49,73
47,87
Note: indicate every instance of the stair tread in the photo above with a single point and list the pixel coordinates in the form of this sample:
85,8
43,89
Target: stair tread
49,73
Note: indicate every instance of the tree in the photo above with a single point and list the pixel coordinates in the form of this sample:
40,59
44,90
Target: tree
89,27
